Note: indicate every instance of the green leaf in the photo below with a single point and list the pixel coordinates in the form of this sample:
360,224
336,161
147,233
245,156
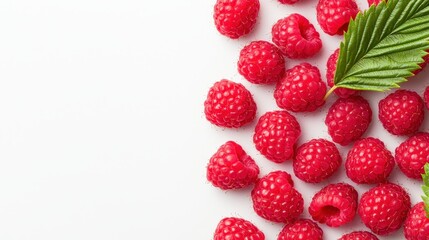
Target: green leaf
426,188
384,45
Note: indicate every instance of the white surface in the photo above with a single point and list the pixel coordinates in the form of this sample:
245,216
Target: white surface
102,132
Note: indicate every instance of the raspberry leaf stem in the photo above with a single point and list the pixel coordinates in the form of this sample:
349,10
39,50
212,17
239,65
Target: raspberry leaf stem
426,188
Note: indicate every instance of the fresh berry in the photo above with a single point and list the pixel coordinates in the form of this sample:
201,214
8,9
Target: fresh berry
232,228
416,226
296,37
369,161
401,112
275,199
301,90
426,96
359,235
288,1
422,65
276,134
348,119
384,208
316,160
334,205
231,168
261,62
301,229
331,66
229,104
413,154
334,15
235,18
376,2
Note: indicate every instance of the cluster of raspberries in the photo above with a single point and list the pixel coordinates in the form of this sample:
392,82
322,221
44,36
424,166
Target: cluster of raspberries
385,207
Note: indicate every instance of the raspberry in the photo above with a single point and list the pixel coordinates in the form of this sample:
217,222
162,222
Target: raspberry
229,104
235,18
426,96
296,37
276,134
331,66
232,228
261,62
231,168
416,225
288,1
334,205
334,15
376,2
401,112
301,229
348,119
301,90
413,154
384,208
369,161
275,199
316,160
359,235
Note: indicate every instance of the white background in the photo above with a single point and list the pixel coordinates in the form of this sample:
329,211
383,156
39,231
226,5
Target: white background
102,131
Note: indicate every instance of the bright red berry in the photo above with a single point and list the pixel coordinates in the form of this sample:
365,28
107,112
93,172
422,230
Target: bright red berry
316,160
348,119
331,66
334,15
359,235
235,18
288,1
275,199
384,208
401,112
276,134
413,154
261,62
426,97
232,228
301,229
334,205
229,104
416,226
369,161
296,37
301,90
376,2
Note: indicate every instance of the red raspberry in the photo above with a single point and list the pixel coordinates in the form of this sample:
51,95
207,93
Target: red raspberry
348,119
376,2
296,37
330,73
316,160
301,229
237,229
401,112
416,225
229,104
288,1
384,208
275,199
301,90
369,161
261,62
276,134
235,18
359,235
231,168
426,96
334,205
334,15
413,154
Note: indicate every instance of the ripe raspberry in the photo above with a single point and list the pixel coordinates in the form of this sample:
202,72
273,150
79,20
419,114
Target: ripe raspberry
288,1
261,62
231,168
276,134
413,154
331,66
369,161
229,104
316,160
334,205
384,208
275,199
416,225
348,119
296,37
401,112
334,15
235,18
359,235
232,228
376,2
426,96
301,90
301,229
